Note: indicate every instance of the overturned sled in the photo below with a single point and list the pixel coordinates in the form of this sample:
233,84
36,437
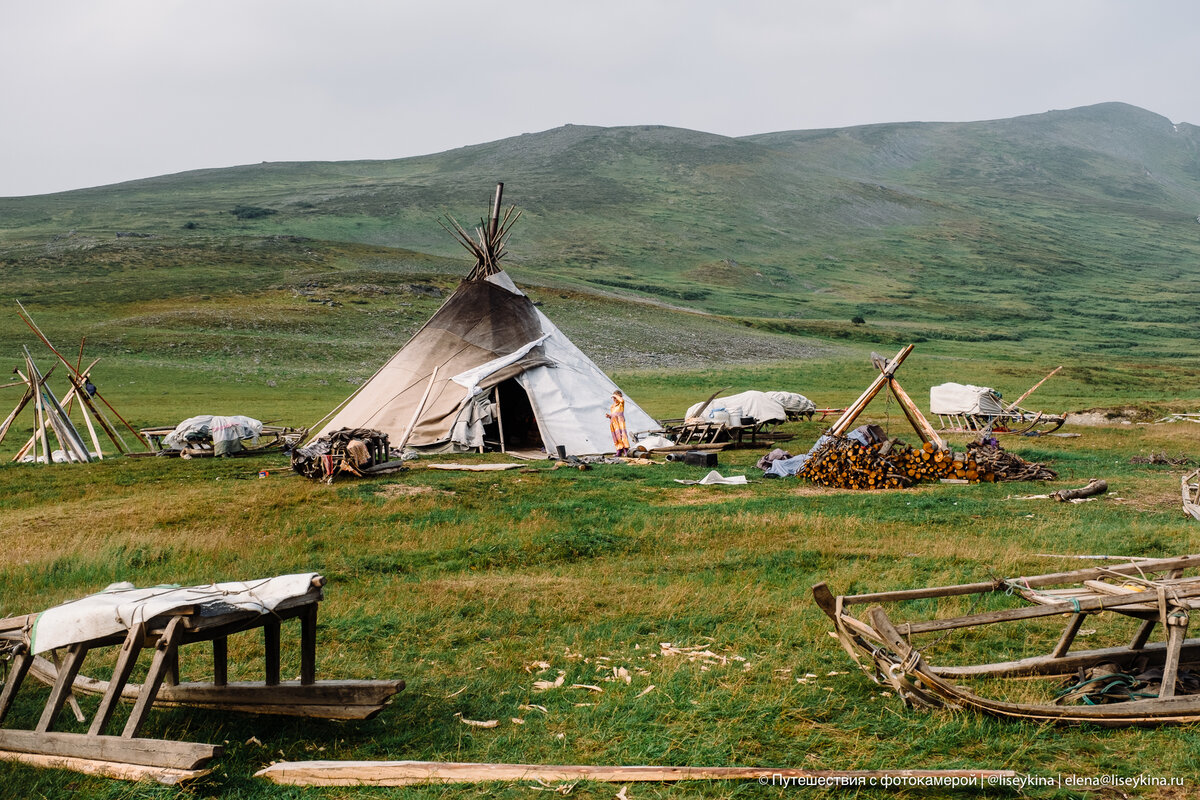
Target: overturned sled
1129,681
51,647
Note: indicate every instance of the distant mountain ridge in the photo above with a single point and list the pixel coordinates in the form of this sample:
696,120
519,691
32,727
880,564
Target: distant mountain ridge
1078,223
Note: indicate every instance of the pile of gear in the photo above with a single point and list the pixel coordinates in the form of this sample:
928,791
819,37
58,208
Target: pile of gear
347,451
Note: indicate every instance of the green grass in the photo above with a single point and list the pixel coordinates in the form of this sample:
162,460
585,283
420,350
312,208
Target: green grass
1064,234
682,263
461,581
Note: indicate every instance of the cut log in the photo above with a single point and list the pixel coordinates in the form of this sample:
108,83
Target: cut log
1094,487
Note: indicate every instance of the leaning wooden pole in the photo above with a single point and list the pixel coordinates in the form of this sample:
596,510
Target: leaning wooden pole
494,226
915,417
845,421
1033,389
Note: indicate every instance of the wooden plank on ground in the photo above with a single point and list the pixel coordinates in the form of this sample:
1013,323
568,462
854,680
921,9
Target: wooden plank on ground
107,769
147,752
406,773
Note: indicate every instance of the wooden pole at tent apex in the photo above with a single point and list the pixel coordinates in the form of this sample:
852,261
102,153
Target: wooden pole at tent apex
494,225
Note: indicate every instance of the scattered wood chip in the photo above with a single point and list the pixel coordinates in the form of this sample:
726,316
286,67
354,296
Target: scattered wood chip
254,740
587,686
646,691
532,707
622,674
477,723
456,694
517,721
538,666
541,686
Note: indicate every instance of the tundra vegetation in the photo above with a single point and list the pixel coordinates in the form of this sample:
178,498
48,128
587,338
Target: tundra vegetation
682,263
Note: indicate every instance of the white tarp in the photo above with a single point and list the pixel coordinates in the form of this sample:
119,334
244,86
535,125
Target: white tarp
793,403
115,611
714,478
959,398
470,379
222,429
759,405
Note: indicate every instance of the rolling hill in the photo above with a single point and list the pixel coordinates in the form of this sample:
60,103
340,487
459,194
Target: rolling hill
1069,234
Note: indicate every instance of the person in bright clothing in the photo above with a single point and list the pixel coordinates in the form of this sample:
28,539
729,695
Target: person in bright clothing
616,423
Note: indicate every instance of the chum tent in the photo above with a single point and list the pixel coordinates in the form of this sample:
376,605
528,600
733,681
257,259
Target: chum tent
489,370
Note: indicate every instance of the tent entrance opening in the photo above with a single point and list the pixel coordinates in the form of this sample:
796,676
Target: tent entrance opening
513,425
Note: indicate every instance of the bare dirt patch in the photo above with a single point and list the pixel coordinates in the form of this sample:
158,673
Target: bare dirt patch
397,490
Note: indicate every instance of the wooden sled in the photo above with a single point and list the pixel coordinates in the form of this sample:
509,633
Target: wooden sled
1015,421
1154,592
125,754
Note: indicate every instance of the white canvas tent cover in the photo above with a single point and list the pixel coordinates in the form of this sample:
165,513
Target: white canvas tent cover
486,333
959,398
763,406
117,609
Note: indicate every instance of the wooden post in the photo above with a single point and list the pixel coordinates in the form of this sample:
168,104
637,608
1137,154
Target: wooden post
154,677
16,674
68,437
220,649
8,421
412,423
1143,634
1017,402
499,419
1177,625
921,425
62,686
28,320
41,414
1068,635
171,670
271,648
308,645
126,659
844,422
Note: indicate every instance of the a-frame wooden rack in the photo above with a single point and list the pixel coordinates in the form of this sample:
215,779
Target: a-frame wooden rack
886,378
53,416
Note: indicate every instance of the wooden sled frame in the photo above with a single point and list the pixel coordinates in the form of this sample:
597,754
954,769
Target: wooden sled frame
885,651
1015,421
126,754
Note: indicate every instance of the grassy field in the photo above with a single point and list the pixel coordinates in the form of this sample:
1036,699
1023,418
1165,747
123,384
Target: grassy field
682,263
465,585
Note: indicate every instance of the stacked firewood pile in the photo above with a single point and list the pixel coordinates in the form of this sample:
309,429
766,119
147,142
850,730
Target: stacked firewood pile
866,458
844,463
1008,466
891,464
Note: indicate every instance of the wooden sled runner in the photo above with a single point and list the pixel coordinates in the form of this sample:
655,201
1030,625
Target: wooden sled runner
1140,683
163,620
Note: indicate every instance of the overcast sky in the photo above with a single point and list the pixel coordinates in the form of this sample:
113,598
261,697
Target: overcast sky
99,92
